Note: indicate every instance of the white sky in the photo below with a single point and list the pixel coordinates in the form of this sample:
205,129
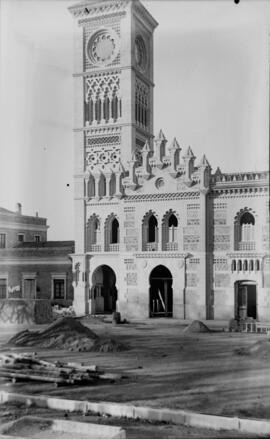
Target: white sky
212,92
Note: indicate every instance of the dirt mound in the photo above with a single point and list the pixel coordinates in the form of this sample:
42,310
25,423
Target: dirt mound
108,345
260,348
64,333
67,333
196,326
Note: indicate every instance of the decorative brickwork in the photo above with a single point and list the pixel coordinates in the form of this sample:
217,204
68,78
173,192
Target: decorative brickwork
222,280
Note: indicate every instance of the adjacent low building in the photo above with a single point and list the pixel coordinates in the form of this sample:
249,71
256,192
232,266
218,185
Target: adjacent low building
34,273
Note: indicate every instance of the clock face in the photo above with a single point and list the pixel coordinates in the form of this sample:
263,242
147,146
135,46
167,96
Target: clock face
102,47
140,53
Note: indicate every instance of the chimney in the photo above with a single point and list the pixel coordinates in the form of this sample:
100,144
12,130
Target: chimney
18,208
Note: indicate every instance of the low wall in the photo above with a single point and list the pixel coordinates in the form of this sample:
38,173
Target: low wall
257,427
26,312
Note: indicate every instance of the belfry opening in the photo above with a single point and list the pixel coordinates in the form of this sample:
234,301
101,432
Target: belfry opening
103,293
245,299
160,292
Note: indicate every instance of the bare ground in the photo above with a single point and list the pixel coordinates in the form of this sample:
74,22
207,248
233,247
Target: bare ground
168,368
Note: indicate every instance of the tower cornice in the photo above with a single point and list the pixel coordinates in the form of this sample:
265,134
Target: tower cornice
93,9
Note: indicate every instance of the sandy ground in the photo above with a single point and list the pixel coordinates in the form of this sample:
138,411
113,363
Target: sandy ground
168,368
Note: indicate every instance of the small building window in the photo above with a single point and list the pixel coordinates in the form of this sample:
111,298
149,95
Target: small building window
20,237
37,238
3,288
29,288
2,240
59,288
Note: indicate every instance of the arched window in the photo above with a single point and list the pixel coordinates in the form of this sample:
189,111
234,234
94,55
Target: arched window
245,265
114,231
251,265
149,232
98,110
247,223
173,224
93,234
233,265
239,265
257,265
245,231
106,108
112,234
169,232
115,108
152,229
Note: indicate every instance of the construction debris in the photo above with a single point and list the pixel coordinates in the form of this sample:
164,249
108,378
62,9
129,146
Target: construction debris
196,326
59,311
67,333
30,367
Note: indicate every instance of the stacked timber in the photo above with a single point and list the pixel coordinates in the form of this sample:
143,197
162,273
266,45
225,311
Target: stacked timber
30,367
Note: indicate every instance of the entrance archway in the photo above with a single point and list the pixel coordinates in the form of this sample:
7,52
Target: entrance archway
246,299
103,291
160,292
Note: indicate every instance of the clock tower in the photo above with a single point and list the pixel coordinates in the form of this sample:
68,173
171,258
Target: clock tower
113,106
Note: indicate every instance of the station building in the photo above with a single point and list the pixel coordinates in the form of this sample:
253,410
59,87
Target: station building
158,232
34,273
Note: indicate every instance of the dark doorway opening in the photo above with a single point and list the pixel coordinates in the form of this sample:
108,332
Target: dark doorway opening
246,300
160,292
104,291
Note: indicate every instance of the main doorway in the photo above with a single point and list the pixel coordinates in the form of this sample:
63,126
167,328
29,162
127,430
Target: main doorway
160,292
103,291
245,299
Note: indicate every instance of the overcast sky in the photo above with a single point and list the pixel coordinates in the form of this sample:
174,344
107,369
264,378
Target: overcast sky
211,75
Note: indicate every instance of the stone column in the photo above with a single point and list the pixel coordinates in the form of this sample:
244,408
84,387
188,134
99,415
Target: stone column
86,180
97,178
108,180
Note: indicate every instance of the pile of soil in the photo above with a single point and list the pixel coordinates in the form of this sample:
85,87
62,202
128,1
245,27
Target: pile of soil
196,326
66,333
260,348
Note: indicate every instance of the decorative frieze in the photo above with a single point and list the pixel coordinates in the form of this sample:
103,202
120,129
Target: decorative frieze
221,264
222,280
191,242
193,264
192,280
131,278
161,197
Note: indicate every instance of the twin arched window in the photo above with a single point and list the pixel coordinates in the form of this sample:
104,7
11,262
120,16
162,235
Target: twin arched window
111,236
150,238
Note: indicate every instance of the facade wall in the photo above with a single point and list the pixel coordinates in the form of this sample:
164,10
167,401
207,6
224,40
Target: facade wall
13,224
123,174
43,274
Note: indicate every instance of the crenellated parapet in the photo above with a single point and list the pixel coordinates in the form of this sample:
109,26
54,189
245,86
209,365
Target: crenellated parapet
238,178
164,169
